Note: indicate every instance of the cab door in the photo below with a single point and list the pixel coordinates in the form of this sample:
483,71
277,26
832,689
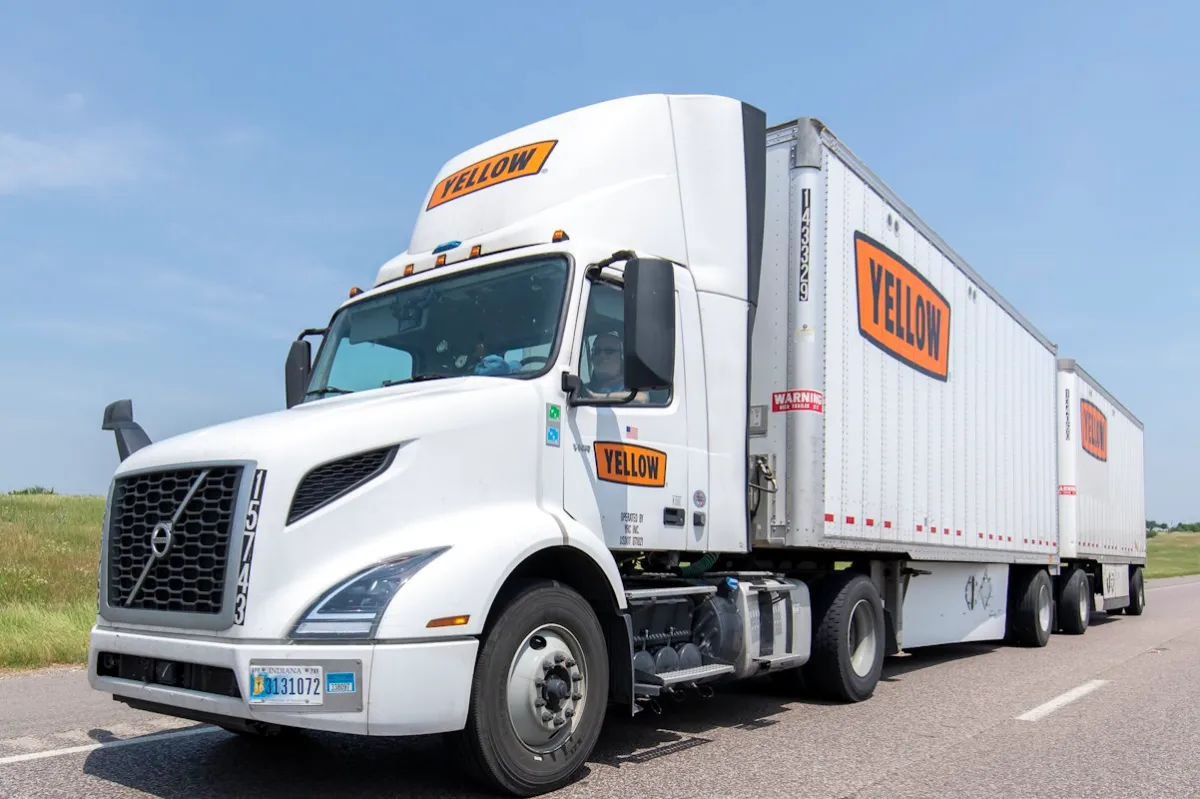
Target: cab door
625,467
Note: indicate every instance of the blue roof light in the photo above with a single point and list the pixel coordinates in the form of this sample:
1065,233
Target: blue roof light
450,245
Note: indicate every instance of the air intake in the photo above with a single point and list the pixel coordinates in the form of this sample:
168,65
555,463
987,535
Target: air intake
327,482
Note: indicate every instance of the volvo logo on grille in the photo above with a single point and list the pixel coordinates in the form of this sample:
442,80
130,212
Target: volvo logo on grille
162,536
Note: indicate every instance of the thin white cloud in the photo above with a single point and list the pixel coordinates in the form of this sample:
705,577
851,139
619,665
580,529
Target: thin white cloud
87,330
191,288
249,324
85,160
243,137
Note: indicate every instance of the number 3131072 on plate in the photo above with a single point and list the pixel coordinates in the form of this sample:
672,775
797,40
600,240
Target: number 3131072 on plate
286,685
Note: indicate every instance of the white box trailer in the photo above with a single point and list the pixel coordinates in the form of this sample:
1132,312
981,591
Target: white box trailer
656,398
1101,491
900,400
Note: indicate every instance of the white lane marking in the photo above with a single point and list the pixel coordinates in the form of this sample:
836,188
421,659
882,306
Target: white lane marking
1041,711
71,750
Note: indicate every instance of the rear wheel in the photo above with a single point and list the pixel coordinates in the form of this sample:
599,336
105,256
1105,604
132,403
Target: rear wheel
848,638
1137,593
539,694
1030,607
1075,603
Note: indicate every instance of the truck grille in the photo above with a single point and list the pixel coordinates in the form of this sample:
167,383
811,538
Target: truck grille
190,576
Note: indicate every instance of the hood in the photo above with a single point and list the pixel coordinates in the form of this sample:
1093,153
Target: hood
334,425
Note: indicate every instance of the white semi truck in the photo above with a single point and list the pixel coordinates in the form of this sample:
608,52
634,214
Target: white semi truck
657,398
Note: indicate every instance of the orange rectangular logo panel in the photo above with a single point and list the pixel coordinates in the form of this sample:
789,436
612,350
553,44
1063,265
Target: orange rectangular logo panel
1093,425
900,311
518,162
630,464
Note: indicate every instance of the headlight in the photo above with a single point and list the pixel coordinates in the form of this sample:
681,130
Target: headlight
354,608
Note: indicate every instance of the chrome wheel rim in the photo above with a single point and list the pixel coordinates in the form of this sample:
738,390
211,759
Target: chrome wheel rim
1044,607
860,638
1085,598
547,688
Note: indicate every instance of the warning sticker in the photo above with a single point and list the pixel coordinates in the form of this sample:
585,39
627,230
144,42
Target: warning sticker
799,400
1066,491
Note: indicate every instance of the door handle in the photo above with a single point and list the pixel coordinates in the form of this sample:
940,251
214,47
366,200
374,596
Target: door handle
674,517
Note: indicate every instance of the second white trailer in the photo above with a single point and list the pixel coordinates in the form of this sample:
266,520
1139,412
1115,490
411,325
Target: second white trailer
1101,499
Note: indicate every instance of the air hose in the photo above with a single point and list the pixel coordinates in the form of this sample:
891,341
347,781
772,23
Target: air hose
700,566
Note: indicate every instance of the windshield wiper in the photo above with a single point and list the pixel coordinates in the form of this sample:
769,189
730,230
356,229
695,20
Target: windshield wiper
320,392
416,379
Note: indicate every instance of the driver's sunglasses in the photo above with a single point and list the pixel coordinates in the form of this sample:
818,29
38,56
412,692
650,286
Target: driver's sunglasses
608,350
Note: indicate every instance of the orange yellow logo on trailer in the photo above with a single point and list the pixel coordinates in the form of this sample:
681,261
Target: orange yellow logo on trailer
900,311
1093,426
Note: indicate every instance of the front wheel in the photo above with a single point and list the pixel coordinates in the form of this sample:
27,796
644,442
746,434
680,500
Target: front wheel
540,692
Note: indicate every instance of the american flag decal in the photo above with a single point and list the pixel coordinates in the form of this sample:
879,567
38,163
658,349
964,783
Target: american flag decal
630,431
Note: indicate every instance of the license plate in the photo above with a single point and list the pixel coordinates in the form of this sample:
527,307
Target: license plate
286,685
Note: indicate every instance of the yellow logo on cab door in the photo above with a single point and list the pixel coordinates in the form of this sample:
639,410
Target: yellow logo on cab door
630,464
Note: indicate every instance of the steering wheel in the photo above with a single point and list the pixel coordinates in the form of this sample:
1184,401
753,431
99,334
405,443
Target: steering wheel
531,358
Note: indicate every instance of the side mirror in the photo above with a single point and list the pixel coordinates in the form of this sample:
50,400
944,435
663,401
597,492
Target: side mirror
297,371
649,338
118,417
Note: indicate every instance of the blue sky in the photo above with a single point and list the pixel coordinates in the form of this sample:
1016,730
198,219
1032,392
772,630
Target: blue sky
183,188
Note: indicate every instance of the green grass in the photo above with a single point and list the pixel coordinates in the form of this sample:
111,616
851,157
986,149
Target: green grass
1172,555
49,552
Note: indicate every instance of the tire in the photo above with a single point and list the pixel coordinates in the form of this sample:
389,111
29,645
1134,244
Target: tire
1075,604
1030,607
846,606
542,621
1137,594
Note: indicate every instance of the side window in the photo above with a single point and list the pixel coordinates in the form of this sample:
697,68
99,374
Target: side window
363,366
601,364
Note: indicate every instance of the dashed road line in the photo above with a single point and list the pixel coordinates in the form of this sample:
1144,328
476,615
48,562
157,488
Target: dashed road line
35,746
1043,710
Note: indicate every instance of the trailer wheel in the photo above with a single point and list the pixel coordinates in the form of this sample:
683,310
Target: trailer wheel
848,638
1137,593
1075,604
539,694
1030,607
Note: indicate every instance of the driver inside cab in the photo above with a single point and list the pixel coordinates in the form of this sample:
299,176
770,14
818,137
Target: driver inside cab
608,372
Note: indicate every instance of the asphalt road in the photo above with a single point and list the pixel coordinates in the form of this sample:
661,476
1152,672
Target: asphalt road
944,722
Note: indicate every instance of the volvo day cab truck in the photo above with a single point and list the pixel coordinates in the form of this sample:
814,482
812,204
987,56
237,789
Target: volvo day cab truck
649,376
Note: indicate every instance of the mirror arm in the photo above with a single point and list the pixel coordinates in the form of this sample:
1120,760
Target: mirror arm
571,386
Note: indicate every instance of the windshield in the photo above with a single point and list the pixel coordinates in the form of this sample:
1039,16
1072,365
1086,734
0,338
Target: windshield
497,321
